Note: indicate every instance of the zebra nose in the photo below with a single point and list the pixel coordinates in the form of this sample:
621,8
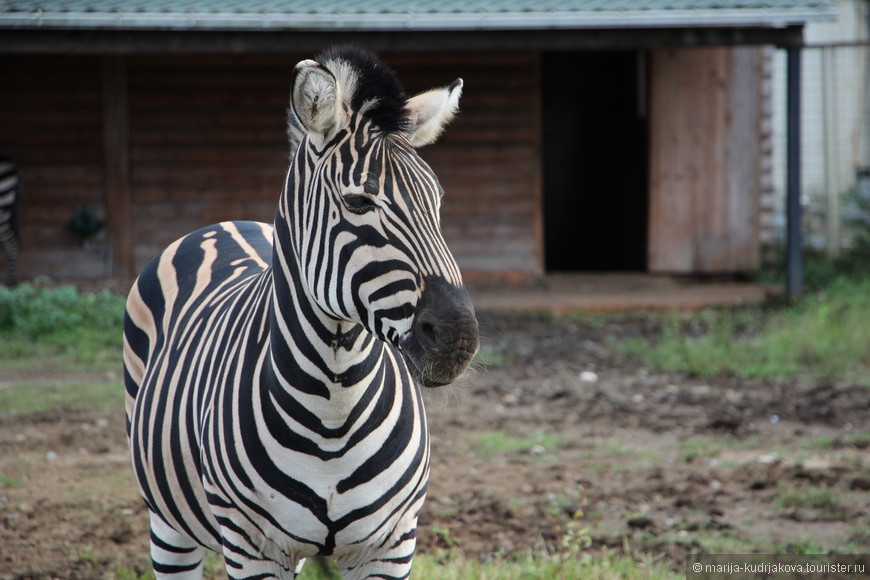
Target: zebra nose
444,335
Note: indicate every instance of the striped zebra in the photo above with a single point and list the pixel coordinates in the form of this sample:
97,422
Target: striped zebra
10,184
272,372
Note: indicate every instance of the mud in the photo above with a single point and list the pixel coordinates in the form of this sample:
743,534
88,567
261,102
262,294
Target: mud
596,452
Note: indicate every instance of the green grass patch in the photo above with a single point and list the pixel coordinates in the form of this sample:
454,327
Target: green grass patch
826,335
59,329
493,356
858,439
816,502
27,398
493,443
36,311
453,565
7,481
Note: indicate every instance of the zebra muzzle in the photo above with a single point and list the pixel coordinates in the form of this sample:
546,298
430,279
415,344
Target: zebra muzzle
444,337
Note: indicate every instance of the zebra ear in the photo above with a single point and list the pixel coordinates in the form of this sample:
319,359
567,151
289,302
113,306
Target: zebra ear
430,112
315,99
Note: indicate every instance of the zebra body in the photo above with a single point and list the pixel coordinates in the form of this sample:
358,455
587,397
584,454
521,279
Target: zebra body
272,373
10,184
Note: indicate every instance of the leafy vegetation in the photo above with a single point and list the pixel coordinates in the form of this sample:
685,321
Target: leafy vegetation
826,335
60,326
37,311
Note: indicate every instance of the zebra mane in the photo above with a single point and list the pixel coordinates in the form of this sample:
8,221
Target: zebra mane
371,87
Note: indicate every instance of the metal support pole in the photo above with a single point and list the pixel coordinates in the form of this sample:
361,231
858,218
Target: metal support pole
794,243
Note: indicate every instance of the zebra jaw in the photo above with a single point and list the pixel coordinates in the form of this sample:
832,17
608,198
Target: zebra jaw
444,336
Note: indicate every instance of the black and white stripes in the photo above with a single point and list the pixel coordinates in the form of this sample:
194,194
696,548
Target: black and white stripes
273,372
10,184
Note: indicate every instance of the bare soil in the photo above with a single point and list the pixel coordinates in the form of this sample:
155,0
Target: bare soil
623,459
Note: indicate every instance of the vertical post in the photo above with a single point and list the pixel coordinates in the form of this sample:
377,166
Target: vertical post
116,160
794,243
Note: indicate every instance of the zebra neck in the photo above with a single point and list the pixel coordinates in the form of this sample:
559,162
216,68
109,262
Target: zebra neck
311,352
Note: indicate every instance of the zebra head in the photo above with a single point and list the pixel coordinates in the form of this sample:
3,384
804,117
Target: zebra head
362,210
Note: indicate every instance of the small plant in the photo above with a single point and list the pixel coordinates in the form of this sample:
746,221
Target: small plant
86,554
494,356
820,502
319,568
500,442
7,481
576,537
135,572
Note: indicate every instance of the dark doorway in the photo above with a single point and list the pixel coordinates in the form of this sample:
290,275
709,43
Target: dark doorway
595,161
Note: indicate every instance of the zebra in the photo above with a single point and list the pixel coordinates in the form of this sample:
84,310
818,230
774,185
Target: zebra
10,184
273,373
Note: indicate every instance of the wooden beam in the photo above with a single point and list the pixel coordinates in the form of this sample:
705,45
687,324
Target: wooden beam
794,264
116,161
211,42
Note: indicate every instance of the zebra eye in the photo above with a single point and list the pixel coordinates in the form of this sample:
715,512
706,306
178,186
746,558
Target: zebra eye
359,203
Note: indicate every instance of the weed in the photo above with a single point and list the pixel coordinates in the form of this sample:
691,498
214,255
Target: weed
86,554
319,568
444,537
820,502
132,572
7,481
494,356
494,443
860,535
826,335
801,544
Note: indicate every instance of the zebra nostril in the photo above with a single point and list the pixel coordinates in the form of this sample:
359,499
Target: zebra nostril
427,335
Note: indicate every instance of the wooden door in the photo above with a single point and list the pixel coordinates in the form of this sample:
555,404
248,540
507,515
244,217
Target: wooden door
705,127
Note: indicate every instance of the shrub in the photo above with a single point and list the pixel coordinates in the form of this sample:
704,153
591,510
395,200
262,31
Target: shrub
36,312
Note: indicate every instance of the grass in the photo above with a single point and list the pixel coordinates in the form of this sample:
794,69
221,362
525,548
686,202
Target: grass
453,565
825,335
26,397
493,356
495,443
813,501
59,328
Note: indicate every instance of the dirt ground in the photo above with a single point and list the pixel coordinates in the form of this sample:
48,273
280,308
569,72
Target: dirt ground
559,438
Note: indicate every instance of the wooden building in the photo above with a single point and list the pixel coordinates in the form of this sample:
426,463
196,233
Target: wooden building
621,135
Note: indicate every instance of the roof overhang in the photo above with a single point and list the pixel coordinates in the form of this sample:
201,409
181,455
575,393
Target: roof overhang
423,21
133,26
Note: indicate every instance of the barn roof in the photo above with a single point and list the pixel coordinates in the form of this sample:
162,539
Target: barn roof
406,15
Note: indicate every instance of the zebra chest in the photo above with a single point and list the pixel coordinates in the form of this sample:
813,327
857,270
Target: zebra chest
311,494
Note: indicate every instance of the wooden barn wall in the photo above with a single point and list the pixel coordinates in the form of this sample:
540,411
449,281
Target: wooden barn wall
51,123
207,143
488,159
705,143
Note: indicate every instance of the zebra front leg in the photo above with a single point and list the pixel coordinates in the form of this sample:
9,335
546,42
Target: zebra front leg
393,559
173,554
245,560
